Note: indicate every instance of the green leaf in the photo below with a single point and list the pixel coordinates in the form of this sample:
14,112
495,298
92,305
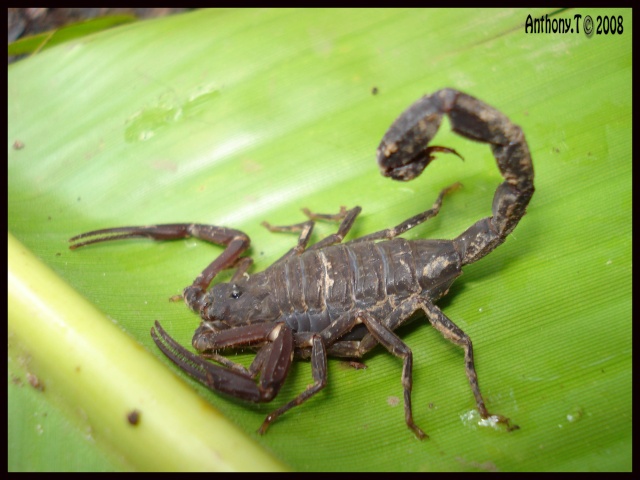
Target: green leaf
79,354
235,117
44,40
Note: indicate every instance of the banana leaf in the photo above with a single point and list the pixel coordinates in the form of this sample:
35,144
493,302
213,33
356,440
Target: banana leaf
233,117
41,41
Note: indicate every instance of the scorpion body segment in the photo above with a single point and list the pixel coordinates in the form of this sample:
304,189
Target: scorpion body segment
311,291
342,299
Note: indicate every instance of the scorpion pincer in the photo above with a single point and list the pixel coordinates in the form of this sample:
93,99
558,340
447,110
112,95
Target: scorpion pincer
342,299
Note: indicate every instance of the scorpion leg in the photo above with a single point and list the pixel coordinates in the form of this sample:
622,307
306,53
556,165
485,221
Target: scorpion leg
453,333
397,347
242,264
319,372
305,229
414,221
382,333
235,241
388,339
347,218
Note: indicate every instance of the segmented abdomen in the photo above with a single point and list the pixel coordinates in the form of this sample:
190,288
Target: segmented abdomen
316,287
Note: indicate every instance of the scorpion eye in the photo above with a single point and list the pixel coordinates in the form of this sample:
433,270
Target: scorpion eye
235,292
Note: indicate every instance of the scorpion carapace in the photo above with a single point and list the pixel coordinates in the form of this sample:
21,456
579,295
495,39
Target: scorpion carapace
342,299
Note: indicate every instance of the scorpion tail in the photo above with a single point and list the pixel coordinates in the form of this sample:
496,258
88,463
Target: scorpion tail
403,154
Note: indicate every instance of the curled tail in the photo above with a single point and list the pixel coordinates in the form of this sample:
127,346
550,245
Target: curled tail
404,153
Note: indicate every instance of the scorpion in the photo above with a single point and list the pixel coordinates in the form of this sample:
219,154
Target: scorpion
341,299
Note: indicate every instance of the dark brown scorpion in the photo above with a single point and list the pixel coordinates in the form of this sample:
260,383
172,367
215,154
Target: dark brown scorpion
342,299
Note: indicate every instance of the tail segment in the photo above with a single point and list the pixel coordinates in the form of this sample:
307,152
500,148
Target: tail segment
404,153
